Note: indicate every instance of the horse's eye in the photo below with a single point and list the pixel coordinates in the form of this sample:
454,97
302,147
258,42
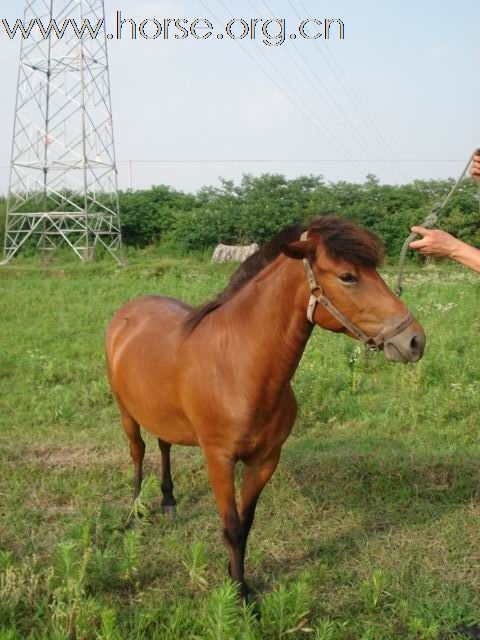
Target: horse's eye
348,278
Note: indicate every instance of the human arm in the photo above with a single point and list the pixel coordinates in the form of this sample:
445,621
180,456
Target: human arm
475,167
441,243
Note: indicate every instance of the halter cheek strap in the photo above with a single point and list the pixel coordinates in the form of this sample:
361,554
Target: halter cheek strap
317,297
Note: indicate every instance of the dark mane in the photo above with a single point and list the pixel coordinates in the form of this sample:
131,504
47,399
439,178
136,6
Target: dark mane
246,272
343,241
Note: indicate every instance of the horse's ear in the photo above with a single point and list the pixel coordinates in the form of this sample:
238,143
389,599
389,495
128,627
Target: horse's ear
297,250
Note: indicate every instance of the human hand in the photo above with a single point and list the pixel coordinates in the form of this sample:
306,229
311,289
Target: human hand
434,242
475,166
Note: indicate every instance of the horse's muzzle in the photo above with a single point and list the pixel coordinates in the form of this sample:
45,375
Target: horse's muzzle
407,346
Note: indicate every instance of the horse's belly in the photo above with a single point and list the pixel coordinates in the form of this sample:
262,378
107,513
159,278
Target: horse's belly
173,431
155,405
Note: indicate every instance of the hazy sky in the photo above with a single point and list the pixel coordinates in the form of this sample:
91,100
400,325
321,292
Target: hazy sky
403,85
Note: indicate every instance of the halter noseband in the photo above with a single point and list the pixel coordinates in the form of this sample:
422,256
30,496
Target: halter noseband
374,342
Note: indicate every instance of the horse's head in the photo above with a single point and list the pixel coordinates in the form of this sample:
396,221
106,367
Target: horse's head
346,292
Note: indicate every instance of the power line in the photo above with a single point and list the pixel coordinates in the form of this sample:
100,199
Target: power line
346,123
348,91
384,143
324,133
277,160
280,161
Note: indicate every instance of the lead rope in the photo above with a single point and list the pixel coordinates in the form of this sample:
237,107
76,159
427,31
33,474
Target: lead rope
430,221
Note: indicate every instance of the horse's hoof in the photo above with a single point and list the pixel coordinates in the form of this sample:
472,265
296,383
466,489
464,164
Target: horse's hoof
249,600
169,510
468,632
132,524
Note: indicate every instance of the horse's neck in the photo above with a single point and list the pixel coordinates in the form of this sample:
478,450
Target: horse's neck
270,317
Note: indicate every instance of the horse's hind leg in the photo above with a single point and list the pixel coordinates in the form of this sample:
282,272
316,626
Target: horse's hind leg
168,501
137,449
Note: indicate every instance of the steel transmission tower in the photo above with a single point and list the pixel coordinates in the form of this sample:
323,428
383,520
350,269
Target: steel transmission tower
63,180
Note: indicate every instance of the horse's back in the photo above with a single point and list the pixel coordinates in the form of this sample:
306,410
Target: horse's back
152,305
139,317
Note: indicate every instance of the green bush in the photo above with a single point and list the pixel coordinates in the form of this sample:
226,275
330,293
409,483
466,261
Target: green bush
149,214
3,212
258,207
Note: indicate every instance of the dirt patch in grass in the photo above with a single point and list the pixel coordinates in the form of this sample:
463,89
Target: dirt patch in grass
59,456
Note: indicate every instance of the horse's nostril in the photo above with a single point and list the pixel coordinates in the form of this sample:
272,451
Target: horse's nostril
414,345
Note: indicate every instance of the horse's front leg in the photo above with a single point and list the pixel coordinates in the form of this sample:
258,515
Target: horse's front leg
221,475
255,477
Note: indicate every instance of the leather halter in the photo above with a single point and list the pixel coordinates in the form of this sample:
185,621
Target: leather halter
374,342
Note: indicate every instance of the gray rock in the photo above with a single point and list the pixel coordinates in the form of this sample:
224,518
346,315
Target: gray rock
228,253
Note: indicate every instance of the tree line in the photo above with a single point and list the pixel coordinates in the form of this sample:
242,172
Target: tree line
257,207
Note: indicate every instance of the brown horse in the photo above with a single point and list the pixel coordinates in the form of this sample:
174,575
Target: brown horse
218,376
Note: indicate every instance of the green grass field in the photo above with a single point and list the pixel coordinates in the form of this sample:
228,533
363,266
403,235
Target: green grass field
370,528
